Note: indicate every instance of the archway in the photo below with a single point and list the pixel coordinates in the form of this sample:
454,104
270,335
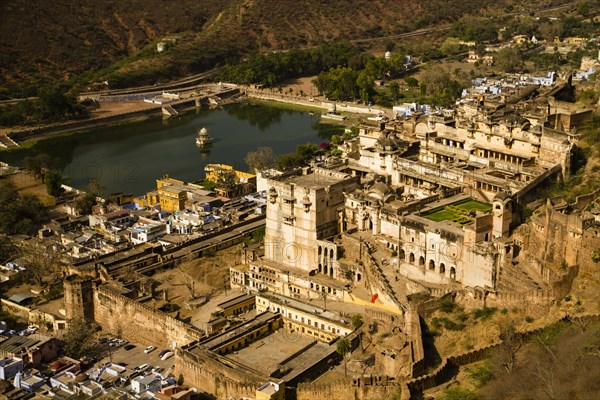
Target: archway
431,265
421,260
452,273
442,268
401,255
411,258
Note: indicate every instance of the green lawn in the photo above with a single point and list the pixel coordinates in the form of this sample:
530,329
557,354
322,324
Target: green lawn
469,205
457,212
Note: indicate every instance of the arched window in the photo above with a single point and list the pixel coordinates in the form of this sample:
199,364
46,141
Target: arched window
421,260
401,255
442,268
411,258
431,265
452,273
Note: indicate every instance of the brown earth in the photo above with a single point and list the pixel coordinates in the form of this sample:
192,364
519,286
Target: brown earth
51,41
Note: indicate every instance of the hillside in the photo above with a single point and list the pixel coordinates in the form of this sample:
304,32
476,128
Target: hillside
44,42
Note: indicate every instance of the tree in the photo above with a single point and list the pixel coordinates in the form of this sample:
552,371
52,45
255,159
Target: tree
357,322
52,181
8,250
80,339
365,84
41,262
260,159
438,84
411,82
19,214
85,203
511,344
508,59
343,348
395,91
55,103
450,47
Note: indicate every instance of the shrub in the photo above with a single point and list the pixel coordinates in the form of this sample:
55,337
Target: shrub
484,313
480,375
447,306
528,319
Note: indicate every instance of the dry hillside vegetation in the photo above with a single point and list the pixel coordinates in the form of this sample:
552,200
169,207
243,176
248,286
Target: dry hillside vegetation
45,41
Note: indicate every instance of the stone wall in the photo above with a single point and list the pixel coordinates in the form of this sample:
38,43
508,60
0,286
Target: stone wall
139,323
205,371
353,389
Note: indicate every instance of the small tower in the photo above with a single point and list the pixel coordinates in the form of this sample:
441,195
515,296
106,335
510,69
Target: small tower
502,212
79,298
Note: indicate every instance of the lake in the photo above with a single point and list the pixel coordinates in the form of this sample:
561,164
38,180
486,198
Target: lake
130,157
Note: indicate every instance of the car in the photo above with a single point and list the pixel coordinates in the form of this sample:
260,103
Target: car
141,368
129,346
167,355
163,352
32,328
24,333
149,349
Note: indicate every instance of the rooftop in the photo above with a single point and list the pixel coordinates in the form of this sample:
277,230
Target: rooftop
17,344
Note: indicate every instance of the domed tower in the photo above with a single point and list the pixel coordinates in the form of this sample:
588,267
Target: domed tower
502,215
79,298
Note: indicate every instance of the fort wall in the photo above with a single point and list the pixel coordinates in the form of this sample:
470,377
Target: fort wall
139,323
221,380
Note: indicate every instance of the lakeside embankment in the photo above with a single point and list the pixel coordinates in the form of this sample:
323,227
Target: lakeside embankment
28,137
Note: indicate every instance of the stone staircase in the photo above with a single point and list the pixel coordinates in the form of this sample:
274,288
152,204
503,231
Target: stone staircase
518,278
6,142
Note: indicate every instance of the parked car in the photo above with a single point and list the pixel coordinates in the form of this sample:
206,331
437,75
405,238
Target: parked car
167,355
24,333
163,352
141,368
129,346
149,349
32,328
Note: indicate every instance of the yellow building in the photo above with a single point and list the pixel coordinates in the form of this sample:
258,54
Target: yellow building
229,181
171,194
270,391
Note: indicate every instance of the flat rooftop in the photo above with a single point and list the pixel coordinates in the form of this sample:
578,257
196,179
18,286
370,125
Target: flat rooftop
267,354
305,307
315,179
236,300
228,335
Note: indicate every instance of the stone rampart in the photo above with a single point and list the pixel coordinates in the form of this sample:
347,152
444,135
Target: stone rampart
139,323
221,380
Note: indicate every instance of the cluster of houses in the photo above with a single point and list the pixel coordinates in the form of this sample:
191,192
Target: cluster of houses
174,210
67,378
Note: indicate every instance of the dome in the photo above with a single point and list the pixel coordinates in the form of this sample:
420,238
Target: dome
380,191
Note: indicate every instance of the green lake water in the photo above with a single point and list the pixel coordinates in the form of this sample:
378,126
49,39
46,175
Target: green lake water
130,157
